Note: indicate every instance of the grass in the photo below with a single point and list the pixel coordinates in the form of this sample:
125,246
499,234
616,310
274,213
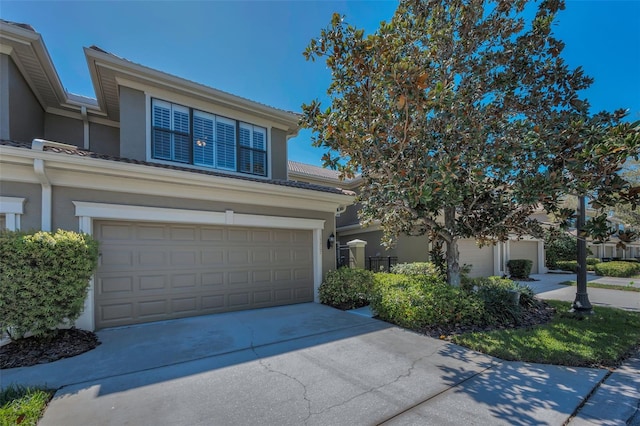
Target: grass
602,339
22,405
606,286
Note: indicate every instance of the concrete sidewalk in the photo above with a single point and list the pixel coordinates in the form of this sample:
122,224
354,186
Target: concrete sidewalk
616,401
299,364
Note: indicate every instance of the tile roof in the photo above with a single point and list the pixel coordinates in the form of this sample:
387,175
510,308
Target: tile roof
89,154
314,171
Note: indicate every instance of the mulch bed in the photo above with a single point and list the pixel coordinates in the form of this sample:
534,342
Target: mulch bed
31,350
539,314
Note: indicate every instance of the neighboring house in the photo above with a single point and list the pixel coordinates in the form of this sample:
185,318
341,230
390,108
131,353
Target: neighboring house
485,261
184,186
614,248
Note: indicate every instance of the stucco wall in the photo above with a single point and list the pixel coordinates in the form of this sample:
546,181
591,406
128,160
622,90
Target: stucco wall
31,219
104,139
64,129
278,154
525,250
132,124
26,116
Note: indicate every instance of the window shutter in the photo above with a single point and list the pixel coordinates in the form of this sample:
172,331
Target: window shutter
203,141
225,143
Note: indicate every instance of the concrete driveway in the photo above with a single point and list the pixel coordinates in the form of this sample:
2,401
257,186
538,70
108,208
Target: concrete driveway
298,364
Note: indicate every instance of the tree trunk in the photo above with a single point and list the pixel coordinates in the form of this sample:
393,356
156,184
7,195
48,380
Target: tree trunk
453,255
453,267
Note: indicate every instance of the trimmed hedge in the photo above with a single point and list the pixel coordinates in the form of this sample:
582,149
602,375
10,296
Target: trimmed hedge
415,268
572,265
617,269
418,301
520,268
43,279
346,288
567,265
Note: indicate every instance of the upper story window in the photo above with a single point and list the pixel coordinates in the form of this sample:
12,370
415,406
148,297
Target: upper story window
196,137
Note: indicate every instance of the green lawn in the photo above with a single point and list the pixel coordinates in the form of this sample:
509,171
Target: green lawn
23,406
601,339
607,286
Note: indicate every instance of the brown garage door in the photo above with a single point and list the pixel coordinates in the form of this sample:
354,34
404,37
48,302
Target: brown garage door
157,271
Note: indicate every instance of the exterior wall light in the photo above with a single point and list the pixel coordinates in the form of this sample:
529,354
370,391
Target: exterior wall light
331,240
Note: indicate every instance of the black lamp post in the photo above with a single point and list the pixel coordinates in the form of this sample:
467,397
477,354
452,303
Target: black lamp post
581,304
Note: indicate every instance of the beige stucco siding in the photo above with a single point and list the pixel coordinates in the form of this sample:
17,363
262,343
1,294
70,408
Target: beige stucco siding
133,121
31,219
26,116
481,259
525,250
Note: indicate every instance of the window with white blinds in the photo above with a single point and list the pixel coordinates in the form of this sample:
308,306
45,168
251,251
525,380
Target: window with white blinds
253,149
196,137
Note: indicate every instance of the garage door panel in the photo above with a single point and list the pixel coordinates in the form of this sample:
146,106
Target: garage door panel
151,272
183,233
235,235
153,282
115,285
212,278
211,234
151,232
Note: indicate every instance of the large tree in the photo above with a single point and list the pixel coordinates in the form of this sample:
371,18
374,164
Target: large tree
463,119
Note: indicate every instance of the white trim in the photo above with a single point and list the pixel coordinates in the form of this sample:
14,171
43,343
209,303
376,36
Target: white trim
12,208
317,264
87,212
200,217
47,201
5,49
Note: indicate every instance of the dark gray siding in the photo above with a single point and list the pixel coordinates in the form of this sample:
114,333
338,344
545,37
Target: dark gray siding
64,129
26,116
104,139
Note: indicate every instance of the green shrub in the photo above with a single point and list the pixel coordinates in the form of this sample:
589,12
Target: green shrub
473,284
559,246
617,269
572,265
43,279
415,268
519,268
418,301
346,288
567,265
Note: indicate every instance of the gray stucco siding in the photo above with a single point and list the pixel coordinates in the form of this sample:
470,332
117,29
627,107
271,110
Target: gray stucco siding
64,129
104,139
31,218
26,116
133,139
278,154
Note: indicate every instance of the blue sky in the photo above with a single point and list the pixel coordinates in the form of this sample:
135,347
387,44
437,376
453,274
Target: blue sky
254,48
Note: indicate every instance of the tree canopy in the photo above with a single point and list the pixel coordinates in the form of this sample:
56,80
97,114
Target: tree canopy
464,119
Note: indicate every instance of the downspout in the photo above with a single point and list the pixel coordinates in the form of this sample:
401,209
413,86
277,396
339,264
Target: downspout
85,124
39,169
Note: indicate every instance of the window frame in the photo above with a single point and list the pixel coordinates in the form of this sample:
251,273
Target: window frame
216,119
12,208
